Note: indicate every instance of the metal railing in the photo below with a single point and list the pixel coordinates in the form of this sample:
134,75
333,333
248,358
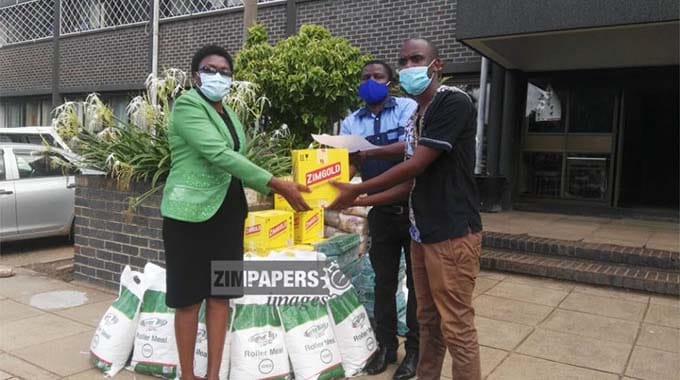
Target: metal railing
22,21
29,20
177,8
85,15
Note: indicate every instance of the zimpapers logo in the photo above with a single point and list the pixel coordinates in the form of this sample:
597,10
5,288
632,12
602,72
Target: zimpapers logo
323,174
312,221
277,229
253,229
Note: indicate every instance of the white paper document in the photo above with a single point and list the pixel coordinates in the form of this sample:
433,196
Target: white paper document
353,143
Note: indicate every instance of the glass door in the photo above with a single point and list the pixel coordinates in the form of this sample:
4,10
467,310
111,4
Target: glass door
568,140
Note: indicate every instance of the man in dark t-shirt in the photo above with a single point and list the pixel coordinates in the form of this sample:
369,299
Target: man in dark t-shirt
444,212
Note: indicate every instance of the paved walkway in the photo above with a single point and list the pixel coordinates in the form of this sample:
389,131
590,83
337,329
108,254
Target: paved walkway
617,231
529,328
35,251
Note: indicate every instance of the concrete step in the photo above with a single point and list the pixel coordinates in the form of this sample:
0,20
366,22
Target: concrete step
583,270
606,253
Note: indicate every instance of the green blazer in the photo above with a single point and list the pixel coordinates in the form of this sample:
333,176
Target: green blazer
203,160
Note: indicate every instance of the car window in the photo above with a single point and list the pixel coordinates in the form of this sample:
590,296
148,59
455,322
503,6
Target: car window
38,164
2,165
29,138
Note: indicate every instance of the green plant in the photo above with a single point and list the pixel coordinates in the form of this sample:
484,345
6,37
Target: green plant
138,151
310,78
271,150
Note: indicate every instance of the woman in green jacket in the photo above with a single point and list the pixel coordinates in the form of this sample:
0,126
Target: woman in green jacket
203,206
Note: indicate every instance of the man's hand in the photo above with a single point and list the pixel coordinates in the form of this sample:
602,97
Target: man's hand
347,195
292,192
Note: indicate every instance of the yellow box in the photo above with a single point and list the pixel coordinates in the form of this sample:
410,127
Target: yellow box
309,226
280,203
267,230
315,168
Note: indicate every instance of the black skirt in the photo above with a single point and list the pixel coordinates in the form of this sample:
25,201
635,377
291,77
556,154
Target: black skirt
191,247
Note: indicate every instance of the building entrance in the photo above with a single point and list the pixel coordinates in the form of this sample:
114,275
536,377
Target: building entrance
608,138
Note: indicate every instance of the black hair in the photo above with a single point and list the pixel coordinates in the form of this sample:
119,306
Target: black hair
433,47
209,50
388,69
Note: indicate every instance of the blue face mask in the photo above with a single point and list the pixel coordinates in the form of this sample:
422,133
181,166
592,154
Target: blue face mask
214,86
373,92
414,80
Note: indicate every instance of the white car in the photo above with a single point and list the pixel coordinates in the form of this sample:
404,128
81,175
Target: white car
33,135
36,196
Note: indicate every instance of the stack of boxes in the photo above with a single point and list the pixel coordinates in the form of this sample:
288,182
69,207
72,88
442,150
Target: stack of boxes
282,227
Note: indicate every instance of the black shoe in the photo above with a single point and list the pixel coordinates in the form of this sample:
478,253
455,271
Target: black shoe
407,368
380,361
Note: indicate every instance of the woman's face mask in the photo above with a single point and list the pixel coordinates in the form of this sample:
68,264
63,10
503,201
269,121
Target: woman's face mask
415,80
214,86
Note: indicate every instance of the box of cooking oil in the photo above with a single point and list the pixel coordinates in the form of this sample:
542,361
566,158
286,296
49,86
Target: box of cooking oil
309,226
268,229
280,203
315,168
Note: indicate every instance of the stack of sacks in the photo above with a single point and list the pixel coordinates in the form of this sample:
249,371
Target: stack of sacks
258,349
330,341
155,349
114,337
139,328
364,283
353,220
325,338
342,249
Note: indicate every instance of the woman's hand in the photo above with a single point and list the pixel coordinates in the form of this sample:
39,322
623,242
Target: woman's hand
290,191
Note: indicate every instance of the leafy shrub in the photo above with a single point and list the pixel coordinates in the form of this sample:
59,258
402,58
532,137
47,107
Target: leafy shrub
138,150
311,78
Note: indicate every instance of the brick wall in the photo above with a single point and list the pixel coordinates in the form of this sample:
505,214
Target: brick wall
117,58
379,27
178,40
107,237
26,68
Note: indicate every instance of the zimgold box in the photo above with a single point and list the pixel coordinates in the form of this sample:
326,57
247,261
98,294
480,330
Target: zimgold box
315,168
309,226
267,230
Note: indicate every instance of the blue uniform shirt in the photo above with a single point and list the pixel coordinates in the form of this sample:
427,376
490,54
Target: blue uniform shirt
382,129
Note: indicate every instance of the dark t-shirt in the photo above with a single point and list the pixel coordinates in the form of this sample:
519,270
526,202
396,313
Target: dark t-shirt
444,200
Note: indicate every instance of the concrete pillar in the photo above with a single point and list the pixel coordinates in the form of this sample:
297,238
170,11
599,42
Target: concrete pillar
249,16
56,97
291,17
495,119
514,95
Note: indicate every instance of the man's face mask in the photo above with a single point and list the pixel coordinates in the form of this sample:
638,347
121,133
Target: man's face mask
373,92
415,80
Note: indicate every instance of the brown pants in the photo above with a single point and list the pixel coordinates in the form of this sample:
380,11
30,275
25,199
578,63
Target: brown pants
444,277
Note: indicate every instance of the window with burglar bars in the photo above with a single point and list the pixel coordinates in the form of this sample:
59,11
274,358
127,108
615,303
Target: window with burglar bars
84,15
28,20
22,21
175,8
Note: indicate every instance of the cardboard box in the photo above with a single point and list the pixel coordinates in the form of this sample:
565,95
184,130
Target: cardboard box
309,226
315,168
267,230
280,203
